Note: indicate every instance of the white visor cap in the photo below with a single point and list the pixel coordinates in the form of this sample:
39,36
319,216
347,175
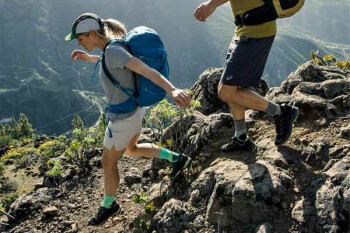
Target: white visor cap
87,25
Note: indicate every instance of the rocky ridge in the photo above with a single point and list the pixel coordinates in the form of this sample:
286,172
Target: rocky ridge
302,186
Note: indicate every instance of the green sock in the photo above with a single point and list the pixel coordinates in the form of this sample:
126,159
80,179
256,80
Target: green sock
168,155
107,201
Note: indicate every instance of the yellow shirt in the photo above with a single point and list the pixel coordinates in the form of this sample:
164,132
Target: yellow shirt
255,31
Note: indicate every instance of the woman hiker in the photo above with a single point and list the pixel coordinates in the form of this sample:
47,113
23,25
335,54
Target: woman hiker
93,32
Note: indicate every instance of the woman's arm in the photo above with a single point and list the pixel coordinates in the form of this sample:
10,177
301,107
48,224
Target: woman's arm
181,97
83,56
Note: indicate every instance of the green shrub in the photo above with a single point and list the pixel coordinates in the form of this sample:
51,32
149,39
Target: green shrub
55,172
48,150
5,140
16,153
163,114
75,154
52,148
2,169
23,161
8,200
143,222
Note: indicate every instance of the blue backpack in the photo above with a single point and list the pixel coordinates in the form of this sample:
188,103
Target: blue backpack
145,44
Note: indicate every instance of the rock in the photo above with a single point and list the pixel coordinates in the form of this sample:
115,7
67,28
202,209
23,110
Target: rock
172,217
345,132
309,88
158,191
156,165
74,227
333,198
303,210
132,177
68,174
31,202
202,188
199,222
51,182
161,174
243,196
205,91
50,211
258,190
317,153
96,161
38,186
310,72
318,92
333,88
194,132
338,152
145,139
67,223
92,152
264,228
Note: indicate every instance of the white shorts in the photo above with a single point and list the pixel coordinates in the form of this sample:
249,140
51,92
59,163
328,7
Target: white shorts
123,130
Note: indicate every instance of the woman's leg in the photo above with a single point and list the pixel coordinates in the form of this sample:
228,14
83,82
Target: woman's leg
147,150
110,160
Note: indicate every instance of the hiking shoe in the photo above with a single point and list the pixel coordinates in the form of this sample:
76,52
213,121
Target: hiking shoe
284,123
241,143
103,214
181,164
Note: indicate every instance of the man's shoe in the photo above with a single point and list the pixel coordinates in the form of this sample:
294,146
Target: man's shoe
242,143
284,123
103,214
181,164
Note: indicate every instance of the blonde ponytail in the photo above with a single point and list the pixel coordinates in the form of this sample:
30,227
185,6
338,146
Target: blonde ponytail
115,28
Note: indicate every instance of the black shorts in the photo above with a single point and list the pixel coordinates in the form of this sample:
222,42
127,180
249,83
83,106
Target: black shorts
245,61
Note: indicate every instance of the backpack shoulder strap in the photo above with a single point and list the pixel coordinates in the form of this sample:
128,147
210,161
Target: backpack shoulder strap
115,82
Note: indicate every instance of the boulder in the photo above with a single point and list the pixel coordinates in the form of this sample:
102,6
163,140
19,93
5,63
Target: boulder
173,217
319,92
31,202
50,211
333,199
132,176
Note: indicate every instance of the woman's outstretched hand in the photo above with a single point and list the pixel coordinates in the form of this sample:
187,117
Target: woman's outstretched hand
181,97
81,56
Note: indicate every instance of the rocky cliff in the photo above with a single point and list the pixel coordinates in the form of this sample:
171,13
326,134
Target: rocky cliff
302,186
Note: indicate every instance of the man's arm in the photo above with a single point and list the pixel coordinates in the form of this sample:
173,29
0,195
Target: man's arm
205,9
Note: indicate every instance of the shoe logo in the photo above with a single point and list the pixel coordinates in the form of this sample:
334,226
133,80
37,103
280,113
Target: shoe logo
229,77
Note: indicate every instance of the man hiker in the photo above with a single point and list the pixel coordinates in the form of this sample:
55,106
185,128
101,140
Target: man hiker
245,62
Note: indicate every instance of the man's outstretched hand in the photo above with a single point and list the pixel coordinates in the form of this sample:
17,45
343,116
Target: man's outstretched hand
203,11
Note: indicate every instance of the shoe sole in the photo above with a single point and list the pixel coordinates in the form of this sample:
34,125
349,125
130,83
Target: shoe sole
115,213
189,160
294,116
252,148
